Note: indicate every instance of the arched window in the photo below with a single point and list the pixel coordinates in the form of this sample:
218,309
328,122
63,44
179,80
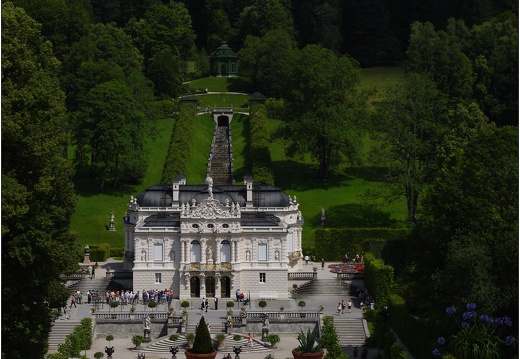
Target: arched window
225,252
195,252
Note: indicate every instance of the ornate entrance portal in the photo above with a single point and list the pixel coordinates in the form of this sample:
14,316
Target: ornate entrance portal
210,286
225,287
195,287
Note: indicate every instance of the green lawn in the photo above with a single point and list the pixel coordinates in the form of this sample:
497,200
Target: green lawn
222,100
342,197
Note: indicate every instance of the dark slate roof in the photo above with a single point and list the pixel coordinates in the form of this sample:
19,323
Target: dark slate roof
263,195
224,51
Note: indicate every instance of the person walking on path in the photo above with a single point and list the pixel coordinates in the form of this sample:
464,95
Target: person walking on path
250,340
67,312
322,263
342,306
73,301
355,353
349,305
339,308
93,275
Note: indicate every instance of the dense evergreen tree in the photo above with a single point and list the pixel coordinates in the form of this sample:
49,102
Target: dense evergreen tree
38,197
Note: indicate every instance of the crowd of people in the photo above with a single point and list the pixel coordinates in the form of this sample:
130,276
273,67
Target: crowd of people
146,296
357,259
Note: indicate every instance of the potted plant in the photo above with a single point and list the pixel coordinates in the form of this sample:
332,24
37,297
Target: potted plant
185,304
190,337
273,339
221,337
301,304
93,310
114,304
171,310
137,340
202,345
109,338
308,348
99,355
237,338
262,304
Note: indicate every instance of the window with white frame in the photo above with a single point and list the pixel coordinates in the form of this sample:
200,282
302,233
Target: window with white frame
158,278
262,251
262,277
158,252
225,252
195,252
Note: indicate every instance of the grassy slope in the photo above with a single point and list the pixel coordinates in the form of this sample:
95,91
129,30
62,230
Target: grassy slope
341,197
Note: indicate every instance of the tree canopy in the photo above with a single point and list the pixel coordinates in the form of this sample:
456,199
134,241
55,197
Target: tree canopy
324,108
38,197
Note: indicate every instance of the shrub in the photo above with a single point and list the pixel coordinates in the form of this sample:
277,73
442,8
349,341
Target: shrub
152,305
190,336
202,343
237,337
273,339
114,304
369,315
98,355
262,304
230,304
221,337
185,304
137,340
301,304
174,337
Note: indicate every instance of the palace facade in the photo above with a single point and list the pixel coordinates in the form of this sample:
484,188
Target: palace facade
212,240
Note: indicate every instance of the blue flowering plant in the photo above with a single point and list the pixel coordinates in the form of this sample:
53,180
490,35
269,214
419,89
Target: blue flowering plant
478,336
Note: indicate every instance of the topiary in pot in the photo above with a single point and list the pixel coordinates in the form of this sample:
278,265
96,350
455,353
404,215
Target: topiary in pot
262,304
185,304
99,355
202,345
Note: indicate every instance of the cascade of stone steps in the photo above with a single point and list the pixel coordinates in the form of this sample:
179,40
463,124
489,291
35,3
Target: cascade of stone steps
334,287
59,331
163,345
220,159
351,331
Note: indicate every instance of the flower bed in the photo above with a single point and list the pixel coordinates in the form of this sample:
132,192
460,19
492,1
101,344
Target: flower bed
346,268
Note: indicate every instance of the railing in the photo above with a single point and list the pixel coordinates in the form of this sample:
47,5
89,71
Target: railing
357,275
302,275
119,274
135,316
259,316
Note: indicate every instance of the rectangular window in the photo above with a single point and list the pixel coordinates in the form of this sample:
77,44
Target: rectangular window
262,251
262,277
158,252
157,278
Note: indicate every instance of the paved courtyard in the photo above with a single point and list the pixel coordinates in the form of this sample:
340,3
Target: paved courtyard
124,347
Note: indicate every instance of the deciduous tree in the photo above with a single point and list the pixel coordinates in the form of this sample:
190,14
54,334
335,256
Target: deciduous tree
325,108
38,197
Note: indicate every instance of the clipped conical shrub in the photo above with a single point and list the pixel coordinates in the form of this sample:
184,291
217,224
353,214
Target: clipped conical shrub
202,343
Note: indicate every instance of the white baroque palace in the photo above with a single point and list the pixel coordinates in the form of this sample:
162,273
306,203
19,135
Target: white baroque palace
210,241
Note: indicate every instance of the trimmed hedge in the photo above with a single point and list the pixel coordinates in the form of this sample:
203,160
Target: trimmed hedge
332,244
379,279
261,166
177,160
100,253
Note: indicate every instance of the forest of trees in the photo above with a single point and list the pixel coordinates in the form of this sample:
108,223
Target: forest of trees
88,75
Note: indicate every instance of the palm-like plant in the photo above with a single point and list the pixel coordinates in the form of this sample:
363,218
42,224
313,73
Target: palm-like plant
308,343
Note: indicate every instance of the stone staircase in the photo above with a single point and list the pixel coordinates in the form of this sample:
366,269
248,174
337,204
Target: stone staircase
324,287
163,345
351,331
59,331
220,166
